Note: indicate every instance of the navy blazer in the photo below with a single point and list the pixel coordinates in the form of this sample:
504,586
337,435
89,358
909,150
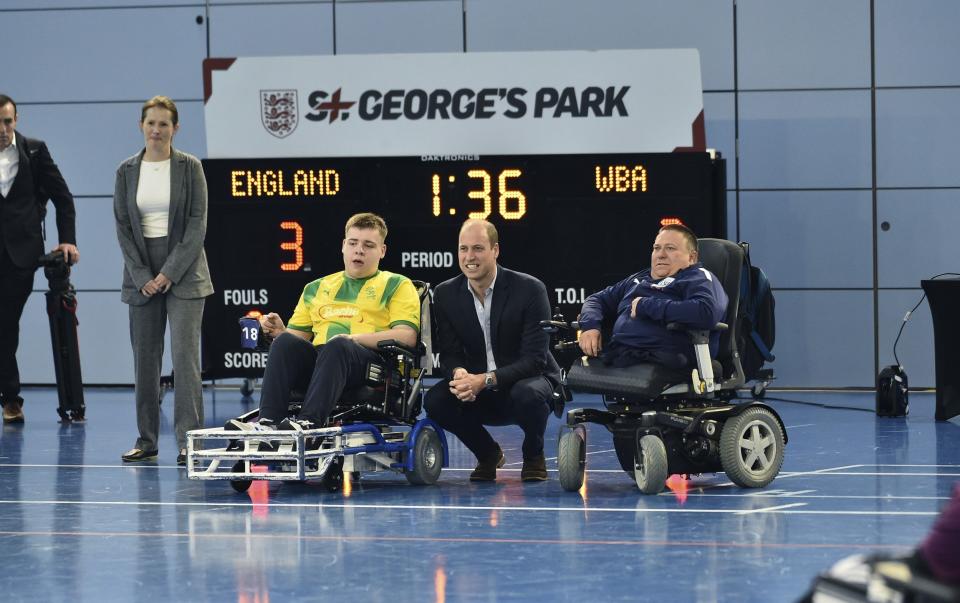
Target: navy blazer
186,264
521,348
21,211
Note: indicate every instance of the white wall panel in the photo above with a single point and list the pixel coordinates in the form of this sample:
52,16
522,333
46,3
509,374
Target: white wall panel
115,54
100,264
271,30
88,141
395,26
922,239
824,338
103,333
818,139
809,44
43,5
720,124
917,133
577,25
801,238
917,42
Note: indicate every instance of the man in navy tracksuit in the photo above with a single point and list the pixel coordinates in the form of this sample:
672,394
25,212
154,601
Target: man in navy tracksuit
676,288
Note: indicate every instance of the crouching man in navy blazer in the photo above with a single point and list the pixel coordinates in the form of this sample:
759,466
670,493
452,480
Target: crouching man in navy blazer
496,363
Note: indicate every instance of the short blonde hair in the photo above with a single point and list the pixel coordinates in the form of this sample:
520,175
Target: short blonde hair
367,220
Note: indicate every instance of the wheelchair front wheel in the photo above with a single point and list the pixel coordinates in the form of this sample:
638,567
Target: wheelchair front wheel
240,485
427,459
650,464
572,459
751,448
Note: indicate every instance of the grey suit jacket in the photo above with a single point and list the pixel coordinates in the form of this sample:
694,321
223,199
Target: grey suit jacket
186,264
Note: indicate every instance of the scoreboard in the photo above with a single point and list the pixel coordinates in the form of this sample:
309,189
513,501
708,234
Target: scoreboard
577,222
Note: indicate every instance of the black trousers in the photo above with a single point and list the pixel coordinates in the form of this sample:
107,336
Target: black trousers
324,373
526,404
16,283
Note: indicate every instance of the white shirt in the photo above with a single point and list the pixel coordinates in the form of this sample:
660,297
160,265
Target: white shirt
153,197
484,308
9,166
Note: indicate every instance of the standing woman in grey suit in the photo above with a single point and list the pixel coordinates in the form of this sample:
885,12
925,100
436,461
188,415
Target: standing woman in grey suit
160,205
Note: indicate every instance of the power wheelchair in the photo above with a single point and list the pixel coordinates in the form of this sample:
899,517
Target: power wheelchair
669,422
374,427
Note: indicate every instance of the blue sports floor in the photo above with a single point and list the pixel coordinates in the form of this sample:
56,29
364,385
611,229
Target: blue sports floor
77,525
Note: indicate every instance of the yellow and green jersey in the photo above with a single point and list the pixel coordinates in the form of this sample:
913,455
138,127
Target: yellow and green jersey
337,304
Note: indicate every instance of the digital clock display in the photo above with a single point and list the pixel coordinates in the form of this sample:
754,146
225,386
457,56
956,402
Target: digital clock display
577,222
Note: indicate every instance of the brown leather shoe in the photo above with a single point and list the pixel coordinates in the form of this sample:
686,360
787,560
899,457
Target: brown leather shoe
13,411
534,470
486,471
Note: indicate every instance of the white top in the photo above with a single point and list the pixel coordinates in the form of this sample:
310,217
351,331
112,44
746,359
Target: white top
9,165
484,308
153,197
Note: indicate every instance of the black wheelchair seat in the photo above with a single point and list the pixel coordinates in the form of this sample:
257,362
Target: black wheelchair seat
640,380
637,381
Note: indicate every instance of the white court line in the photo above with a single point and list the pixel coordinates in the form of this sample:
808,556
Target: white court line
799,426
769,509
890,474
385,507
553,458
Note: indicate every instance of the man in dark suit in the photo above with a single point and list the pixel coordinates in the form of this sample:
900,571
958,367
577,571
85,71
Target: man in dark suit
28,178
495,358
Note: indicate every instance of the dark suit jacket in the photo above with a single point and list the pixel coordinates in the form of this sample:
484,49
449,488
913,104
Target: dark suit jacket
21,211
520,347
186,264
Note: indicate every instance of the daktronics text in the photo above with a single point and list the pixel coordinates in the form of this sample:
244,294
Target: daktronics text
466,103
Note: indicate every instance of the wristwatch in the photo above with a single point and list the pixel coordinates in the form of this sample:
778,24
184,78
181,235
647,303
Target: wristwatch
489,381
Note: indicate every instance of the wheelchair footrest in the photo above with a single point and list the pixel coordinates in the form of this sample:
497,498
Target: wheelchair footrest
289,455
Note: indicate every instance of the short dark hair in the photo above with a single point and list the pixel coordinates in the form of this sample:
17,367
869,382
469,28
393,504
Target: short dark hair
367,220
4,99
162,102
686,232
492,233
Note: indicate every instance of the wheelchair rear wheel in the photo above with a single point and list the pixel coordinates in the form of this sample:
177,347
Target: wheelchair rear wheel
572,458
751,448
427,459
240,485
650,464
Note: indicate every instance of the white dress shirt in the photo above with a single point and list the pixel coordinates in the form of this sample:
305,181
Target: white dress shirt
484,307
9,166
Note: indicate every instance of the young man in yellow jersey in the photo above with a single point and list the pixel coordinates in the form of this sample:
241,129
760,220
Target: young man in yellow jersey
333,333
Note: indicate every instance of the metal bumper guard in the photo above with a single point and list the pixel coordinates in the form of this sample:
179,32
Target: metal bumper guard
291,461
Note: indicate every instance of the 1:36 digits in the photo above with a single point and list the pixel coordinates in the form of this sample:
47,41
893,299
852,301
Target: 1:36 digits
512,203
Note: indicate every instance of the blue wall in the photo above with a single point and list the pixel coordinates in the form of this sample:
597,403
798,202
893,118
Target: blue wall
829,111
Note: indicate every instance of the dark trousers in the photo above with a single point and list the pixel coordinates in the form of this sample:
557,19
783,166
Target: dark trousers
15,286
324,372
525,404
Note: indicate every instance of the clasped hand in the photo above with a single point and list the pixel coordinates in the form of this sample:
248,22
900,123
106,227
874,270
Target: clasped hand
158,284
466,386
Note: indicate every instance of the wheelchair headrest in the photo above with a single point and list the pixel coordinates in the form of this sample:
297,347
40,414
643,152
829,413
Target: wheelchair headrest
725,259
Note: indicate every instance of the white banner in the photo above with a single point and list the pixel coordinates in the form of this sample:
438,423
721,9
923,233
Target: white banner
480,103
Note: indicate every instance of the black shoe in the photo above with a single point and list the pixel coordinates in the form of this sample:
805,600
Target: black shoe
289,424
182,457
486,471
136,455
534,469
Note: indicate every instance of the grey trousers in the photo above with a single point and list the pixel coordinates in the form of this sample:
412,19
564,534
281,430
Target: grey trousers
147,326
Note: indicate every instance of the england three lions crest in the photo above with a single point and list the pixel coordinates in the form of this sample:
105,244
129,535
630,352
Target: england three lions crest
278,111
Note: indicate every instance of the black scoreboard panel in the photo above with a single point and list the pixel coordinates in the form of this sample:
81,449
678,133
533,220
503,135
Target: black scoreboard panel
577,222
